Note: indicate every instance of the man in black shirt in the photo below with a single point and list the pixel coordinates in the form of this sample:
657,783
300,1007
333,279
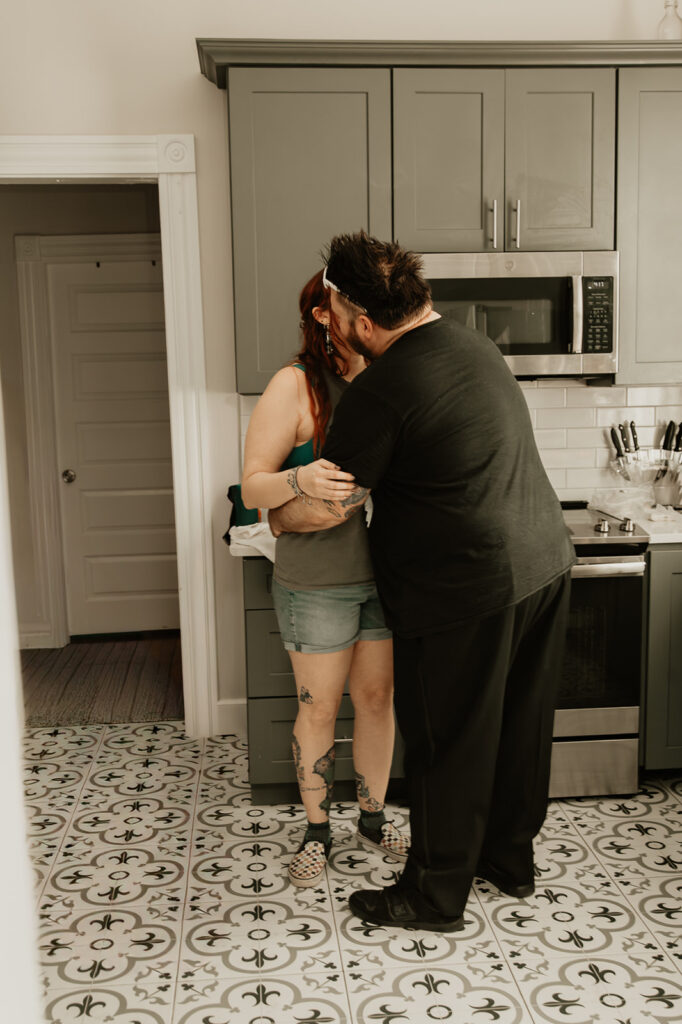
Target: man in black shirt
471,559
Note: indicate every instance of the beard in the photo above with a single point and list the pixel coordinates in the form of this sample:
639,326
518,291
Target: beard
352,339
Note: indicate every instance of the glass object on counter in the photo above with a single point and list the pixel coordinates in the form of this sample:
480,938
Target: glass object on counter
652,469
670,26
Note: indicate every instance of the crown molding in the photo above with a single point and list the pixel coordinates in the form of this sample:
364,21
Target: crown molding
217,55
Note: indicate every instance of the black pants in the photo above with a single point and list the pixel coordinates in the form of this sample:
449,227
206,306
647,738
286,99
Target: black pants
475,707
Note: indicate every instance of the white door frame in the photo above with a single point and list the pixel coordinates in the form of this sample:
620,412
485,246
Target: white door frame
169,161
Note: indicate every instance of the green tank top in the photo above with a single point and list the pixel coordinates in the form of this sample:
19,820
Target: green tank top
325,558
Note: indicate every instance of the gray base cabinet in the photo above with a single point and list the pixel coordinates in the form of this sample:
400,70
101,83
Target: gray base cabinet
663,722
272,706
648,227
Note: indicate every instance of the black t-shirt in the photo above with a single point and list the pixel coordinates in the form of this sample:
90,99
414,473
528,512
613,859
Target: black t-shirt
465,519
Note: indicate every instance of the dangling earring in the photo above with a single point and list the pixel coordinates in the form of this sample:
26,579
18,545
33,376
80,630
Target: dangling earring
328,340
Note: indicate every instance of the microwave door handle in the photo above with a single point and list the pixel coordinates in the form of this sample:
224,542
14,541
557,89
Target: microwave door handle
577,344
517,207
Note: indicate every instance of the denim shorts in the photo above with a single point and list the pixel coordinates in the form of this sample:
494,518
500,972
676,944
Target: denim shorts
328,620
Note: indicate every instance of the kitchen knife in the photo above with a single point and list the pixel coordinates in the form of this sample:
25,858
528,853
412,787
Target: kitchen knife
620,458
669,436
633,431
666,449
623,428
678,445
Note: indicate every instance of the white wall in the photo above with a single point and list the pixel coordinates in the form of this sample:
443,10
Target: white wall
131,67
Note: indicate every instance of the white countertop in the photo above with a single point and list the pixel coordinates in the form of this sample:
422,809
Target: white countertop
665,531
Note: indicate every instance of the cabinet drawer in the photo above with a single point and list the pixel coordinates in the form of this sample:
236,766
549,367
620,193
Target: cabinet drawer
258,582
270,724
268,668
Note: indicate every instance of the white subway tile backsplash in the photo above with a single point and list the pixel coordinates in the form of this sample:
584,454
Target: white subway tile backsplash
550,438
566,417
544,399
644,416
554,458
595,438
668,394
589,479
664,413
595,397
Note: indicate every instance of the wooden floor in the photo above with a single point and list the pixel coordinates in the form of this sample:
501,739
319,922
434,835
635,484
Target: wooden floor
136,678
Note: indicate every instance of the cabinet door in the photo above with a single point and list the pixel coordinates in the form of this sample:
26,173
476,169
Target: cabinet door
448,148
310,158
269,669
663,711
560,150
648,229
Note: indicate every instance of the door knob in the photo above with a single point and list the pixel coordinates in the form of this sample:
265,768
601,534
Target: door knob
68,476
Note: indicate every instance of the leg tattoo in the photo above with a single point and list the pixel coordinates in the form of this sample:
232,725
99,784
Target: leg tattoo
305,696
324,766
362,790
296,747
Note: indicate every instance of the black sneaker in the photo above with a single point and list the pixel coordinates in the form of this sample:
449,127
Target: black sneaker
505,883
400,907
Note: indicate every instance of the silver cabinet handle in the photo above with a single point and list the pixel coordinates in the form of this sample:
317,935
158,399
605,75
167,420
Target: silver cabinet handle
517,210
493,210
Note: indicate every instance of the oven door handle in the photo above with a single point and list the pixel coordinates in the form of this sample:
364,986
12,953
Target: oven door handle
603,570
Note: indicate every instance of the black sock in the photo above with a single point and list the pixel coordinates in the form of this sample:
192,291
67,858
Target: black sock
319,832
371,821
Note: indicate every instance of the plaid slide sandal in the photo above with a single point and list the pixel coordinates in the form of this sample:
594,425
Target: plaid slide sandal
307,865
392,842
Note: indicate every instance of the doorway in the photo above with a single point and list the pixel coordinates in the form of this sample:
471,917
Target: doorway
91,322
168,161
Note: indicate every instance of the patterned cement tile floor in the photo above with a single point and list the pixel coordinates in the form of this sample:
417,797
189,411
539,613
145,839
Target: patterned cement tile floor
163,899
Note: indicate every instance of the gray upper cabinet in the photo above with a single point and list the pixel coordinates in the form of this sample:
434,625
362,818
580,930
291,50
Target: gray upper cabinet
560,158
448,150
487,159
310,157
648,228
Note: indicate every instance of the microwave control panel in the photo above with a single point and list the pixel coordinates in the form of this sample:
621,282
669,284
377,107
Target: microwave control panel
597,314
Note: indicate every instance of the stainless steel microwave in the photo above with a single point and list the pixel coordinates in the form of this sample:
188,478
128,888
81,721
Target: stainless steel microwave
552,314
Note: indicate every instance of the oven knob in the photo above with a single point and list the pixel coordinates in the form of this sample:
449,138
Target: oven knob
602,526
627,526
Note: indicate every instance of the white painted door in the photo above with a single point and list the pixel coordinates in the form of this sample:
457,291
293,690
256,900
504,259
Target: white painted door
113,442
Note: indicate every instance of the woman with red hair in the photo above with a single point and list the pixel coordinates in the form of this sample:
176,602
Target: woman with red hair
327,607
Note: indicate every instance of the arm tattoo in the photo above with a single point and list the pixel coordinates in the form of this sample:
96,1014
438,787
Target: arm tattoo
324,766
362,790
351,504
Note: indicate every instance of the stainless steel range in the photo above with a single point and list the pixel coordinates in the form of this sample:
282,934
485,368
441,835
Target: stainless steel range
596,725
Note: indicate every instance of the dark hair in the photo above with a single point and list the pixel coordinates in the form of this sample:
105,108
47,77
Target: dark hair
382,277
315,358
